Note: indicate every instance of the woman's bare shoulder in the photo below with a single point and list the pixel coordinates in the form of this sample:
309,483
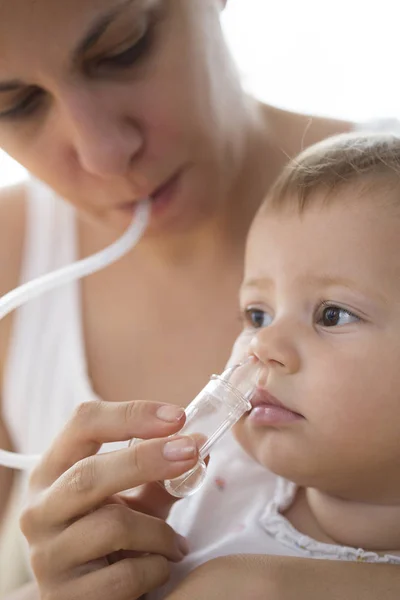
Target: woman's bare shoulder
294,131
12,233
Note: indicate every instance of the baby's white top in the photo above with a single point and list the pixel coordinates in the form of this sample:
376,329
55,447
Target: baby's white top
238,511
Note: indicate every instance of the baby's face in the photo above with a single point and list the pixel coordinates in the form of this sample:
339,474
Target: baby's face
321,301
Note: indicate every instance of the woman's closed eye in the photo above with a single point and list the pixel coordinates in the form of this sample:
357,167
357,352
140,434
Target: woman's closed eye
125,57
25,106
330,315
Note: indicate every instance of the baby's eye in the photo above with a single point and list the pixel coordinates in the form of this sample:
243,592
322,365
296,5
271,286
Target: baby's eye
332,316
257,318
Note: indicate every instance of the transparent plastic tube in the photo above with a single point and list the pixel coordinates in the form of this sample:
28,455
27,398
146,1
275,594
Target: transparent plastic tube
219,405
77,270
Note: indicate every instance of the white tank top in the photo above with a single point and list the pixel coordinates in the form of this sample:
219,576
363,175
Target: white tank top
45,375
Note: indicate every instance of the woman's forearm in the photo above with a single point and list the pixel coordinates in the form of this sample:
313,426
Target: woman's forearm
311,579
278,578
262,577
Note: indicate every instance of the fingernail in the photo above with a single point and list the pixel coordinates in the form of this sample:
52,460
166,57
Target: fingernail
180,449
183,545
170,413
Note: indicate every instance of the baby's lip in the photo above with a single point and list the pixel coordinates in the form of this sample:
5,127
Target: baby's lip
262,397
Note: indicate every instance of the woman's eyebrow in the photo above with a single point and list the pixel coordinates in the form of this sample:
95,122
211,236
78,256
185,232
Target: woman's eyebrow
11,86
99,27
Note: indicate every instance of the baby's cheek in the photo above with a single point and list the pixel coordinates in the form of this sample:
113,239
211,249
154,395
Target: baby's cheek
237,431
240,350
243,436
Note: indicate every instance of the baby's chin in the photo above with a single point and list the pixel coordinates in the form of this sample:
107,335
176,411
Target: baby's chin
281,453
262,445
296,455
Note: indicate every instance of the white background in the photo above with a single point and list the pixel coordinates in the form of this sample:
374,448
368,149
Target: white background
338,58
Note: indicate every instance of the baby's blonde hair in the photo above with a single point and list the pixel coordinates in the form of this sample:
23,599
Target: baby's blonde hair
368,161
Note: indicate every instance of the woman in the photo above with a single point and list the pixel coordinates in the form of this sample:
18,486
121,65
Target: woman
135,98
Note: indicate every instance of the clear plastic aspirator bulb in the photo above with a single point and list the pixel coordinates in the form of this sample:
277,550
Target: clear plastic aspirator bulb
218,406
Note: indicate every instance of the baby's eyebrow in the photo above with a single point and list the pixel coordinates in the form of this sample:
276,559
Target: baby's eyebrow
257,282
327,281
309,280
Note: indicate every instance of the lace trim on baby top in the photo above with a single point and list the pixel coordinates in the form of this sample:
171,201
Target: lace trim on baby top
278,527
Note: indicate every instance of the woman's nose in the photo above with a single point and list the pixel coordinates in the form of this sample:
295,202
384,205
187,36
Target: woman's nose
275,347
105,143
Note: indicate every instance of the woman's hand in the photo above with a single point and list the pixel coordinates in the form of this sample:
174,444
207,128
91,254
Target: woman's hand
87,542
262,577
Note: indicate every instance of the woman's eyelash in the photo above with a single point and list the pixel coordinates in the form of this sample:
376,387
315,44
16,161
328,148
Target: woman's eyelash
25,107
129,56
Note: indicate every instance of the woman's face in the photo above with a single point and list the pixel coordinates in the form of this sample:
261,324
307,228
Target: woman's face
110,101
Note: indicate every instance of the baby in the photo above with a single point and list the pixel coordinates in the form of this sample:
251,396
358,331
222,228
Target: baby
316,473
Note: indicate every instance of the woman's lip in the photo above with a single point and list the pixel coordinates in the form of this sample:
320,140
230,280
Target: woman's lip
155,194
164,197
164,186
